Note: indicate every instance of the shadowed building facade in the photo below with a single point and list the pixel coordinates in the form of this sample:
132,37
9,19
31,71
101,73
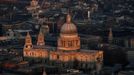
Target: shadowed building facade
68,53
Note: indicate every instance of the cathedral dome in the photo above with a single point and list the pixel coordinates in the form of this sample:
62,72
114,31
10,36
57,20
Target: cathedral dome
68,28
69,39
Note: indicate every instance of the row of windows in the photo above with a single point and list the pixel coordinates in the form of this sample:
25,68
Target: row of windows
70,43
69,58
41,54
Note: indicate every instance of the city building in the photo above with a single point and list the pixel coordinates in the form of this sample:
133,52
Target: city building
34,8
126,73
68,52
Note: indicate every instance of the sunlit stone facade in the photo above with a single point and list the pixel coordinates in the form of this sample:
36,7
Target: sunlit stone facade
69,39
68,50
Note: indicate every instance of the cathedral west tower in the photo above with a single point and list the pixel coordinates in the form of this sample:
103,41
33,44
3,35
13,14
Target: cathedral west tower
28,42
40,39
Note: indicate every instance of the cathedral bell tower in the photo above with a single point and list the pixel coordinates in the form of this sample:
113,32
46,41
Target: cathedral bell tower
69,39
40,40
28,42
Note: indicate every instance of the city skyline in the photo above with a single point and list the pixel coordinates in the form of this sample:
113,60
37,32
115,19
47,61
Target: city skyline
66,37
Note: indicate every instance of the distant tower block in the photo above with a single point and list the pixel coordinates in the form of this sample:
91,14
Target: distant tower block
40,40
110,36
89,15
11,34
94,7
28,42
